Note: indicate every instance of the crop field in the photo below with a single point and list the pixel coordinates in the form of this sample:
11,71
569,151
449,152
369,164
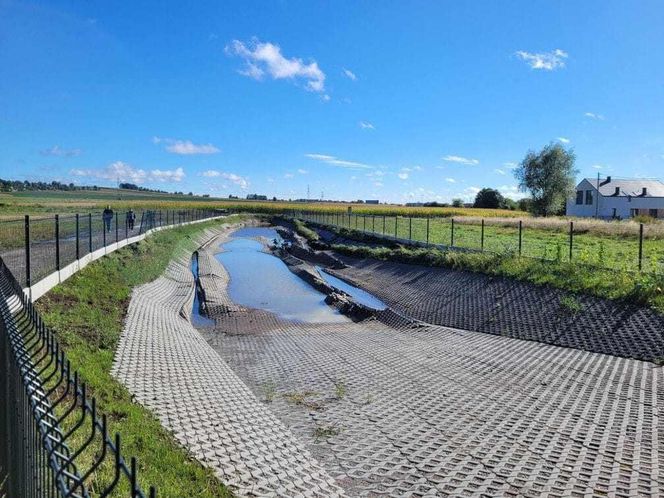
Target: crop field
14,204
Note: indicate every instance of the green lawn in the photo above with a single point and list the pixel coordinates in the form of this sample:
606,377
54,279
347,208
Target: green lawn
87,312
618,251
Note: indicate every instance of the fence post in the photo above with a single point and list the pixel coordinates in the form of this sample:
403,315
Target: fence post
383,224
103,229
571,238
373,223
410,227
452,233
116,227
520,235
78,238
27,250
396,226
640,246
482,236
90,233
57,242
428,217
126,227
364,221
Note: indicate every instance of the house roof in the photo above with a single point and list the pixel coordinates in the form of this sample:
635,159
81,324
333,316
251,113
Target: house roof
631,187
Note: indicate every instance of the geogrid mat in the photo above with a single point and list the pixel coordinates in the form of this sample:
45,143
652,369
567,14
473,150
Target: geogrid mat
170,369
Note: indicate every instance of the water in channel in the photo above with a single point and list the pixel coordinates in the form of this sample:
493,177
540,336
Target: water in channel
358,295
261,281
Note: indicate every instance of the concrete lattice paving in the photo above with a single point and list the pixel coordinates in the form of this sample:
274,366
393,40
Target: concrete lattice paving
431,411
385,407
169,368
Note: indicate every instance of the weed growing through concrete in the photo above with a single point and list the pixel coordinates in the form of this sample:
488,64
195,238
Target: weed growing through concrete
269,391
340,389
571,304
302,399
325,432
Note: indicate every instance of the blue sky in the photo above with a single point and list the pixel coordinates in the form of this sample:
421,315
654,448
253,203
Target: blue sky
399,101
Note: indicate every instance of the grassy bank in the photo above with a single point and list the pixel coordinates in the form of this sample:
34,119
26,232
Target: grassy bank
609,244
87,313
646,289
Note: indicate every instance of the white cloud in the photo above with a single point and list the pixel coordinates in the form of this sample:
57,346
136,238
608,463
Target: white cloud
289,175
185,147
302,171
238,180
461,160
598,166
121,171
334,161
266,58
511,191
450,180
511,165
564,140
499,171
350,74
403,176
548,61
56,150
592,115
365,125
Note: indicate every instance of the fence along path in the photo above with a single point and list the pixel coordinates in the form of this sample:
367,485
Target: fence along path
54,440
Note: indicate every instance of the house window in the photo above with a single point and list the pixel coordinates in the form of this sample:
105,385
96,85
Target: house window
653,213
579,196
589,196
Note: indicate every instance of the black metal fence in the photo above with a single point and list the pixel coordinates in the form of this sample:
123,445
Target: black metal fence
52,440
640,250
34,247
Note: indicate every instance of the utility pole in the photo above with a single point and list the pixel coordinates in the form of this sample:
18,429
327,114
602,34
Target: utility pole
308,192
597,200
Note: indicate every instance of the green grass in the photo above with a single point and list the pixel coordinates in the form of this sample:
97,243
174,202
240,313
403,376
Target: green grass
631,287
606,245
86,312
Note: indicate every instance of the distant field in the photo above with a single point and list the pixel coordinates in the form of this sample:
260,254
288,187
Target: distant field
19,203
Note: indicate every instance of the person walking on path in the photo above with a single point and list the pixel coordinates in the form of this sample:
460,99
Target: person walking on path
107,217
131,219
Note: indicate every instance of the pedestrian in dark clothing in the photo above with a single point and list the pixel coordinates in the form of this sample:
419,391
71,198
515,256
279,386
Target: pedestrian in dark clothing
107,217
131,219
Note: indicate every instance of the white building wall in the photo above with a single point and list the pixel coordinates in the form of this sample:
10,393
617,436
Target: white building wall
623,205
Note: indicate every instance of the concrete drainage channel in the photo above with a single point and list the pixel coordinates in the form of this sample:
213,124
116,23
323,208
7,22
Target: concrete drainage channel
373,402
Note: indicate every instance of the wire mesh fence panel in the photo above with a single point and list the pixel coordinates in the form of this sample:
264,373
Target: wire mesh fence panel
98,231
67,238
467,235
439,231
42,248
12,246
653,249
501,238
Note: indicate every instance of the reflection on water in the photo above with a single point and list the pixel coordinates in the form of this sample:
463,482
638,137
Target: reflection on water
262,281
251,232
359,295
198,320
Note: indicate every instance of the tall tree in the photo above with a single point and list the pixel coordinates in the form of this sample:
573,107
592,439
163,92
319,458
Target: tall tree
549,176
489,198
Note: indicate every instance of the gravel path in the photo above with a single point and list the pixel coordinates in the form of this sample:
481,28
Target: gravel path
170,369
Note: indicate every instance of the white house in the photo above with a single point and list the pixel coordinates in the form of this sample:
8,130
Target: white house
617,199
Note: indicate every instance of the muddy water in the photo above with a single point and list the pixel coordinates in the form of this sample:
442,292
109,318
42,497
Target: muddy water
262,281
358,295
